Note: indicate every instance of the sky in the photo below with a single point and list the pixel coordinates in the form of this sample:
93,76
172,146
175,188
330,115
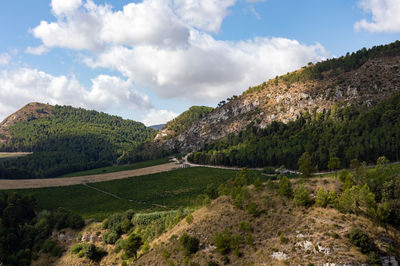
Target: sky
150,60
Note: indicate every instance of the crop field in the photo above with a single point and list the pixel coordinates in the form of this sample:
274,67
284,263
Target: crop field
155,192
118,168
12,155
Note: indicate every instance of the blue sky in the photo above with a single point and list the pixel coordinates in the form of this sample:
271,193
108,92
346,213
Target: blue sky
150,60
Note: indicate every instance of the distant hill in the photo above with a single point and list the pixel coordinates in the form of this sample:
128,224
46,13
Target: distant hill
65,139
361,80
157,127
183,122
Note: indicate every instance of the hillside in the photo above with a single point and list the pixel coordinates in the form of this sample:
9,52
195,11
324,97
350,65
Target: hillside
65,139
29,112
181,123
365,77
245,221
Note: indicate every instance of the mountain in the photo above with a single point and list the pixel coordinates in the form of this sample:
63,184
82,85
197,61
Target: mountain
65,139
366,76
181,123
362,78
157,127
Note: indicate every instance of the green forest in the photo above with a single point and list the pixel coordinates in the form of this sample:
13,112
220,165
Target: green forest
73,139
25,232
351,132
186,119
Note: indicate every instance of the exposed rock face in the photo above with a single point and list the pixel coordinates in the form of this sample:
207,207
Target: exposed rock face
281,101
29,112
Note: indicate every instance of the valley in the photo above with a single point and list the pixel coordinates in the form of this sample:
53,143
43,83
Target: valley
298,170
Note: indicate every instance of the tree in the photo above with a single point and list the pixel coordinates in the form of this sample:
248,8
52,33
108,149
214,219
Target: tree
305,164
334,164
132,245
302,196
285,187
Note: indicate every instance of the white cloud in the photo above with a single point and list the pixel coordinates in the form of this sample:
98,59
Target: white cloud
208,69
36,50
65,6
385,16
18,87
164,45
156,117
5,59
205,15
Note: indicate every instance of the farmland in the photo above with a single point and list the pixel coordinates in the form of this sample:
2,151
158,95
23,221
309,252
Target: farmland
118,168
161,191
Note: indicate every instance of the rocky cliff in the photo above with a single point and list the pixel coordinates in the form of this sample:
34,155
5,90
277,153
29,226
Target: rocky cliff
365,77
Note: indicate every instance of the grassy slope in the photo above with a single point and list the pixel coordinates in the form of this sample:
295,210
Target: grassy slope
173,189
118,168
322,228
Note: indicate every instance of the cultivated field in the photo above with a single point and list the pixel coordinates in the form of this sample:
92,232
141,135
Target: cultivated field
154,192
11,155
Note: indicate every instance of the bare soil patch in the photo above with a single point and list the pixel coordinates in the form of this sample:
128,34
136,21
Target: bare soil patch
68,181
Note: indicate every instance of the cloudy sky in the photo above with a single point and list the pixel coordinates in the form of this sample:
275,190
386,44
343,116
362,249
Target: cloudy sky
149,60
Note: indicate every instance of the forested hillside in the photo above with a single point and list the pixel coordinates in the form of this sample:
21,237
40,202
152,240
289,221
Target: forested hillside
183,122
362,78
70,139
347,133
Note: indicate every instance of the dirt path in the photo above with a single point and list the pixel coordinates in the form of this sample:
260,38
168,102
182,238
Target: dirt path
68,181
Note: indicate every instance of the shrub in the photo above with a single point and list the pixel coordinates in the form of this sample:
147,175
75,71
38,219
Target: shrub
269,170
249,239
211,191
212,263
361,240
126,225
302,196
283,239
77,248
110,237
258,183
189,219
252,209
132,245
223,242
285,187
94,253
245,226
190,244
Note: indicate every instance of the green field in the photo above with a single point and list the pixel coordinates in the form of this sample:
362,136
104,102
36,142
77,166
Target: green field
173,189
118,168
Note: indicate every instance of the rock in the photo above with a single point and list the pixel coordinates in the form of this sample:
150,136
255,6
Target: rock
279,255
85,237
306,245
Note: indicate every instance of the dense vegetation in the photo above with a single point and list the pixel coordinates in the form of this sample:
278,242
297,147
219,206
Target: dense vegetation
351,132
173,189
24,232
186,119
73,139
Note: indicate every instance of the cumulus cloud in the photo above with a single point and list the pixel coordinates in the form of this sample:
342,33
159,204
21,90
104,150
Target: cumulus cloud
167,46
157,117
205,15
20,86
385,16
208,69
5,59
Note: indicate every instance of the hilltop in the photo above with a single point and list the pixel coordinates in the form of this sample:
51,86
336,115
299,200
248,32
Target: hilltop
65,139
365,77
29,112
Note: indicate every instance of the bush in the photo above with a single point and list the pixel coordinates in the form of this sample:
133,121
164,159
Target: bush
77,248
258,183
268,170
252,209
223,242
189,219
110,237
285,188
190,244
132,245
249,239
283,239
245,226
302,196
361,240
94,253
